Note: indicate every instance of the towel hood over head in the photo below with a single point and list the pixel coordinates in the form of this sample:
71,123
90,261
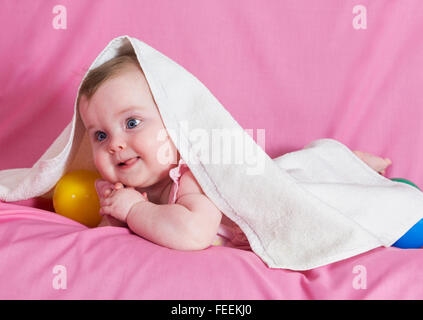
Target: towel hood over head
302,210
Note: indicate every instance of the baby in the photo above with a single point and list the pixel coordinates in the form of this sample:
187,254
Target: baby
160,201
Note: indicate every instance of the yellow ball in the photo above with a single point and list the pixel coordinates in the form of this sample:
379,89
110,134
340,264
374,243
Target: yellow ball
75,197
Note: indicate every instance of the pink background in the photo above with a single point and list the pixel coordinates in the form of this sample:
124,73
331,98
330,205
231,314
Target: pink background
297,69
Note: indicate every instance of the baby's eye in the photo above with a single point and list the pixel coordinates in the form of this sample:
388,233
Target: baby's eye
132,123
100,136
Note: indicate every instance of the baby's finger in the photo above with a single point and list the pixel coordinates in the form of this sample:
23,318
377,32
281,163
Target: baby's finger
101,186
98,184
105,202
118,186
107,192
106,210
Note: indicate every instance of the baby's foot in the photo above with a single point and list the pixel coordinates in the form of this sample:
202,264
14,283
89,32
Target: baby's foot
376,163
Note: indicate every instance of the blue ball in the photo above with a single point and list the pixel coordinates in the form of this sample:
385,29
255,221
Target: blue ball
413,239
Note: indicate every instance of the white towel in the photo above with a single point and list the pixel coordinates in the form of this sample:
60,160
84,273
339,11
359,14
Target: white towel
302,210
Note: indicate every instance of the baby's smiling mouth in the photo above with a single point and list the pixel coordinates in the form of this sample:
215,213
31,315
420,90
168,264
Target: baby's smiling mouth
128,163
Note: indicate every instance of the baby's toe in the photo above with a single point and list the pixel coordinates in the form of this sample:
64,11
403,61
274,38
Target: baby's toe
386,163
383,164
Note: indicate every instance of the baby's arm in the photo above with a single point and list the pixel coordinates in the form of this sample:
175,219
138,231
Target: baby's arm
189,224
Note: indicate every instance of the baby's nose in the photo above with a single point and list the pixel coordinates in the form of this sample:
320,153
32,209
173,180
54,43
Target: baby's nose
116,146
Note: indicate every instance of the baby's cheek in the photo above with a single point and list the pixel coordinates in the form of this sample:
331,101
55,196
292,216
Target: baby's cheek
105,168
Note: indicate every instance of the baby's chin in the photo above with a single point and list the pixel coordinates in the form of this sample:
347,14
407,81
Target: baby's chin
115,180
134,180
128,182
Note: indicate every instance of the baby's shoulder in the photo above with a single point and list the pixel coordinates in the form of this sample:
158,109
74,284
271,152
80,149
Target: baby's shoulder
188,185
192,196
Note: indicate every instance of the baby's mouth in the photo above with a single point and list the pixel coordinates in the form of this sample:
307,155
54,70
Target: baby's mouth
128,163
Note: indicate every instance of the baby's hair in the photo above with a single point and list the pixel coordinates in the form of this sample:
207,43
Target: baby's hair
97,76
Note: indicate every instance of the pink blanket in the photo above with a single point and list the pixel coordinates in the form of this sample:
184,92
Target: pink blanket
301,70
46,256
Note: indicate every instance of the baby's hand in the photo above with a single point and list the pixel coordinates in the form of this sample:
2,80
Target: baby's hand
103,188
116,200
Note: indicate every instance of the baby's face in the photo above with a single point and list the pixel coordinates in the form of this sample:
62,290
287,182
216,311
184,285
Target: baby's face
123,124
